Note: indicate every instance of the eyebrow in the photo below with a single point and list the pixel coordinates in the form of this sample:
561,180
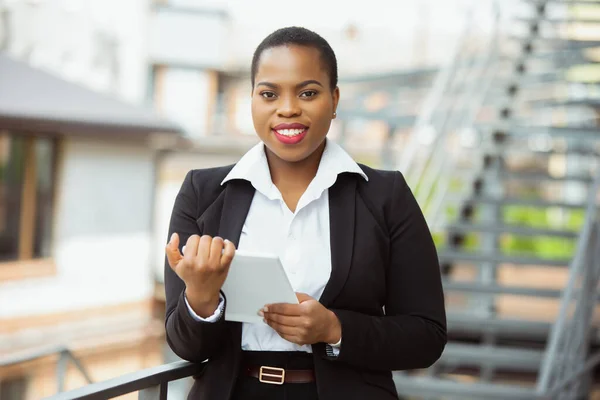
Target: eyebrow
298,86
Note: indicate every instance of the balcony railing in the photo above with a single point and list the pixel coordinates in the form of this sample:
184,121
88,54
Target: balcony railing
151,383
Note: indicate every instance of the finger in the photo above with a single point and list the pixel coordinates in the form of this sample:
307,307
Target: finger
283,309
292,339
284,320
214,256
203,249
228,253
284,329
172,251
191,249
303,297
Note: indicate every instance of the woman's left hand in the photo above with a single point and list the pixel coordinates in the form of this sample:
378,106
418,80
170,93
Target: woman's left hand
306,323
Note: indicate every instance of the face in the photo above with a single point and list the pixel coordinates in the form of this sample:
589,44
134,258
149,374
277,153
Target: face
292,102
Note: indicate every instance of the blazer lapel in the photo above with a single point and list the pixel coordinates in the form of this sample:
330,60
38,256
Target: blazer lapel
342,204
238,197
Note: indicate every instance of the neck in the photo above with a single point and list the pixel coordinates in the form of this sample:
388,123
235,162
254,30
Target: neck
297,174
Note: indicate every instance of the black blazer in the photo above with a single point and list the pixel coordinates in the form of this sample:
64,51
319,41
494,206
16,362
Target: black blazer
385,285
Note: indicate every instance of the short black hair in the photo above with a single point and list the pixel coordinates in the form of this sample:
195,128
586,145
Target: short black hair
298,36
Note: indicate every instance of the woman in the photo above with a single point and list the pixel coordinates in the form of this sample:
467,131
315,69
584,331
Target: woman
352,240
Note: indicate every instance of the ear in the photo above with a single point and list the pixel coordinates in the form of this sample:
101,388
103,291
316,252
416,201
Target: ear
336,98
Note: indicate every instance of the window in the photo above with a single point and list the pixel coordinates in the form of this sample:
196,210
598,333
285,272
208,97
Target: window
27,176
13,389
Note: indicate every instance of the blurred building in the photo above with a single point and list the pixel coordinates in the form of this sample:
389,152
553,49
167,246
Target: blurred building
77,183
88,175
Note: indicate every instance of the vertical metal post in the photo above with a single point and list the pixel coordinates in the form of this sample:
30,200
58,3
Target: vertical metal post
154,393
61,371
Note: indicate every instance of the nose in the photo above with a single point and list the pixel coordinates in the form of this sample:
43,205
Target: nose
288,107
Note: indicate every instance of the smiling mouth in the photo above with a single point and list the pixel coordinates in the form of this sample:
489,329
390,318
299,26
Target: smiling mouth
290,132
290,136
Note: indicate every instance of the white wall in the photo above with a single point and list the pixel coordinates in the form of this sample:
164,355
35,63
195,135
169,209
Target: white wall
185,98
192,36
101,44
102,242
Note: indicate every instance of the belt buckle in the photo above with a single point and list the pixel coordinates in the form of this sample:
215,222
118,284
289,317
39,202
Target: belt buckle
271,372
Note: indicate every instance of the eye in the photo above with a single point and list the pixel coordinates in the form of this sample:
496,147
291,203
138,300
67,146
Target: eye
309,93
268,95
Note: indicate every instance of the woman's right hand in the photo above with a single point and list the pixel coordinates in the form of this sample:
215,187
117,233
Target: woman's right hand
203,268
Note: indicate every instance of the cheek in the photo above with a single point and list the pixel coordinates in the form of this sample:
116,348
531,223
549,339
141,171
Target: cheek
321,115
260,113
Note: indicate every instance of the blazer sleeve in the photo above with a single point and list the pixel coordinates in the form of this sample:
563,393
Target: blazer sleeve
190,339
412,334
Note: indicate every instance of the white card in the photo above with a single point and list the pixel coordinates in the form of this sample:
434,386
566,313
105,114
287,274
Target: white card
254,280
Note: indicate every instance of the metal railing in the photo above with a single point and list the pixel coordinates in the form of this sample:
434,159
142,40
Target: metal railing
151,383
565,358
64,357
426,162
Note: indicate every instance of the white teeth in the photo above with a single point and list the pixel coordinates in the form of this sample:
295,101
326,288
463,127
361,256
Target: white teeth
290,132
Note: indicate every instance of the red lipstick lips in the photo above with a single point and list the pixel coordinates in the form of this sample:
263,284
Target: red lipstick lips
290,133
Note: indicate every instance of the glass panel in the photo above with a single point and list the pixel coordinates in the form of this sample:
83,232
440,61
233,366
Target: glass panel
45,153
12,163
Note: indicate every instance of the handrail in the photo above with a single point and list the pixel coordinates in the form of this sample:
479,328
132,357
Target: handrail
477,91
556,333
587,367
64,355
441,83
154,380
32,355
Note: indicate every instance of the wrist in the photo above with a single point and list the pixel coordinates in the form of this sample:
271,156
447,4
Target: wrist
334,332
204,306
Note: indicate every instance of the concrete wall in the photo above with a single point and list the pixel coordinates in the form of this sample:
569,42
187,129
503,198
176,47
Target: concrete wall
102,233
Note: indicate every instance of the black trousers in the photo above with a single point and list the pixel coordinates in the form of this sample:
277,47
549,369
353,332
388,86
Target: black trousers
249,388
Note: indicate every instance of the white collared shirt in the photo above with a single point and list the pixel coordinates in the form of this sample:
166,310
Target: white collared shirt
301,239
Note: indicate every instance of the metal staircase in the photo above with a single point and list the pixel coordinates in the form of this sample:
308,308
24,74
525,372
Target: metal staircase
521,162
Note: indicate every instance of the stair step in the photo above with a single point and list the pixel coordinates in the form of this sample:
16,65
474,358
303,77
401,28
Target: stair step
520,148
558,20
470,322
426,387
531,79
537,203
488,288
572,132
565,43
446,256
512,229
536,177
592,103
475,355
564,2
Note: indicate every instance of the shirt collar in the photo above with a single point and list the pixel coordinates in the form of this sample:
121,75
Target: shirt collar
254,168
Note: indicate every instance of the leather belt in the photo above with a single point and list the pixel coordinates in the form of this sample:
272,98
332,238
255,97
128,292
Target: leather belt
279,376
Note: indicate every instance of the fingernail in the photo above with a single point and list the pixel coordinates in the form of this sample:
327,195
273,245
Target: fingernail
265,309
262,314
172,237
183,249
226,241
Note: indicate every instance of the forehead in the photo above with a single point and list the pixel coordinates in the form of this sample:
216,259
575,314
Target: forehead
291,64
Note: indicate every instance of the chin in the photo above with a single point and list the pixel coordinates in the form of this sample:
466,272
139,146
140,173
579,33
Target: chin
289,153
